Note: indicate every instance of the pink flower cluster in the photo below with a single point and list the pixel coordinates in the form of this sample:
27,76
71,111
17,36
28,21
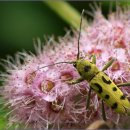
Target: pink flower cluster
40,97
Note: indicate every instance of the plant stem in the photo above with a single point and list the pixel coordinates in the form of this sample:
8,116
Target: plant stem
66,12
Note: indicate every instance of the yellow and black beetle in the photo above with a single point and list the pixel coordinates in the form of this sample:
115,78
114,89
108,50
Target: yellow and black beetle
99,82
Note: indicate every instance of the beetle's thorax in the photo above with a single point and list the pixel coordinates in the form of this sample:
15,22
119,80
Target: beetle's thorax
86,69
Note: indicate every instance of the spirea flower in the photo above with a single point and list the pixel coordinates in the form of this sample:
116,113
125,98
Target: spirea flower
39,97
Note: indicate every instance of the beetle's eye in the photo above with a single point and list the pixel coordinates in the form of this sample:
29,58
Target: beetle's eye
74,65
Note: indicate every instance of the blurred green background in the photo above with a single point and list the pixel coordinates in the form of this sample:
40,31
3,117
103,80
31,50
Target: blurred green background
23,21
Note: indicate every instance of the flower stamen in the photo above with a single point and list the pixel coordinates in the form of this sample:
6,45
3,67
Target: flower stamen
30,77
46,86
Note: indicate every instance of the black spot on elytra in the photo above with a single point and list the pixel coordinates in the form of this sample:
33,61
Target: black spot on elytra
87,68
107,96
123,97
99,87
114,89
114,106
106,81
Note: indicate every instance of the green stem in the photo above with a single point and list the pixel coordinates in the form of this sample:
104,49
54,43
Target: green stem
66,12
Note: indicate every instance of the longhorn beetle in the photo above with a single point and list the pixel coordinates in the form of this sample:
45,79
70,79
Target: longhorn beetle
99,82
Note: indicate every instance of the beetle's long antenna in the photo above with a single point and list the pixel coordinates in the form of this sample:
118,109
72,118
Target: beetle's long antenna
71,62
80,32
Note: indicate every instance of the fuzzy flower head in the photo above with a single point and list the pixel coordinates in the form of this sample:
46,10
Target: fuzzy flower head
39,97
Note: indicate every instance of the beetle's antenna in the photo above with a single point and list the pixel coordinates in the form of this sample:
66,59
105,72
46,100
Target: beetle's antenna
71,62
80,32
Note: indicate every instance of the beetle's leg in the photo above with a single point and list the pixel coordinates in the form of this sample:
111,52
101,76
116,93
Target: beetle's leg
123,84
93,59
108,64
103,112
75,81
88,98
71,82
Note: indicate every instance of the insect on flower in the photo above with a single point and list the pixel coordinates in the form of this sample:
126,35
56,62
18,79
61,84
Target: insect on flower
99,82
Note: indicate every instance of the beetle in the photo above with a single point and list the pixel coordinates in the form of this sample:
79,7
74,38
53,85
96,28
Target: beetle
99,82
